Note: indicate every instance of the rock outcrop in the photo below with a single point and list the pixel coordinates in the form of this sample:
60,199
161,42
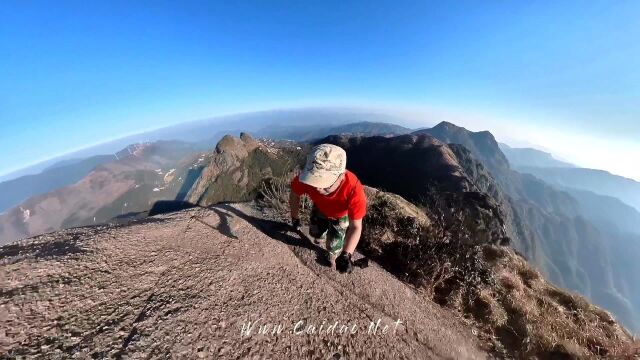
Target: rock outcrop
237,167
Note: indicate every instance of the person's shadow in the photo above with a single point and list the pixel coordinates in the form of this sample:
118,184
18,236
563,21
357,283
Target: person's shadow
277,230
280,231
223,227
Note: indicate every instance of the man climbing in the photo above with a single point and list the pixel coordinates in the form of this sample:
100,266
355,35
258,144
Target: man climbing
339,203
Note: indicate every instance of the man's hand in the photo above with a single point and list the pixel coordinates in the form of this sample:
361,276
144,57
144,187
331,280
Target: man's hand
344,263
295,224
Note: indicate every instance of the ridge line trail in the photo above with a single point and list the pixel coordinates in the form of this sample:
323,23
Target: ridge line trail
183,284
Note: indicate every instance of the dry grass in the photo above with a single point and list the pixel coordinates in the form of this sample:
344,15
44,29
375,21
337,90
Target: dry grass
273,194
543,320
521,314
510,281
487,308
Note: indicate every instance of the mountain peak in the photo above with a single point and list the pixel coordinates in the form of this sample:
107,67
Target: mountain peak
449,126
238,146
482,144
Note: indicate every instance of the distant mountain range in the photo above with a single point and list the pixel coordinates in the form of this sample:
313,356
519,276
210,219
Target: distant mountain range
608,212
596,181
58,175
310,133
128,185
299,125
563,232
531,157
290,123
578,231
568,176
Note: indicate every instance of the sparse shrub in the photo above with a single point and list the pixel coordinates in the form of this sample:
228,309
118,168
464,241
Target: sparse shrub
273,194
493,254
487,308
423,252
510,281
520,315
528,274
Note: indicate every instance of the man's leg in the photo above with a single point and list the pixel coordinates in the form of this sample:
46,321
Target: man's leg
318,224
336,235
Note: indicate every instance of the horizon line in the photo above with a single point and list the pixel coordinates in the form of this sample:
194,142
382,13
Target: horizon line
385,110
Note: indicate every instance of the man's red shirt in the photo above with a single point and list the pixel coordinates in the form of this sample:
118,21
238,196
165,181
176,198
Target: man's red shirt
348,199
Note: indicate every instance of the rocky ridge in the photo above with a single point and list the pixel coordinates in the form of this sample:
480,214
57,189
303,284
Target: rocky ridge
184,284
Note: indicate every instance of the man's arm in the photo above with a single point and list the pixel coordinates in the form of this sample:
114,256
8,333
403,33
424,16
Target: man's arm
353,235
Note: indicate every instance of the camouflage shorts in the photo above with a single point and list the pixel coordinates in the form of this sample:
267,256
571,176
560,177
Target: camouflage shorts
332,230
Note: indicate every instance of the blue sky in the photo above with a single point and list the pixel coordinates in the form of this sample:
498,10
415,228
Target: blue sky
561,74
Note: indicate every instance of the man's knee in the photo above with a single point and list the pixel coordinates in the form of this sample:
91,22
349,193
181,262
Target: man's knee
334,243
335,239
316,231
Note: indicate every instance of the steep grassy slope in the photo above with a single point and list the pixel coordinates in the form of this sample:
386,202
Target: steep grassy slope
550,227
518,312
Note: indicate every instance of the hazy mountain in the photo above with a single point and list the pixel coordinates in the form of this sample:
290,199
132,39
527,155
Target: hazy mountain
609,213
531,157
128,185
30,170
207,132
597,181
604,198
58,175
64,162
550,228
313,132
624,249
259,123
